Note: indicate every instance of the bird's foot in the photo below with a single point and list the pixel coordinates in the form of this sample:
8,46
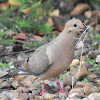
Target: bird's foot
62,91
43,92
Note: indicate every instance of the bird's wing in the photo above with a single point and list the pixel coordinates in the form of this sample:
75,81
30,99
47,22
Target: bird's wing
37,62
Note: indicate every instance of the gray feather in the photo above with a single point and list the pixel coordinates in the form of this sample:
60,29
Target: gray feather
38,61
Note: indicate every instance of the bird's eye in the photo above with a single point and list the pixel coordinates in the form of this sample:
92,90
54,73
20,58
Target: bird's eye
75,25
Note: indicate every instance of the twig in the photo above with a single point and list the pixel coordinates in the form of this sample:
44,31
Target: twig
80,56
19,29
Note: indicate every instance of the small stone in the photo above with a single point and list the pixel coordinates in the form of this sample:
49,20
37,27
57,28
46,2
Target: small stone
55,13
93,54
94,96
62,95
5,84
13,94
49,96
98,59
98,81
15,84
68,87
50,21
18,78
27,82
92,76
76,92
24,96
80,8
88,14
32,96
4,98
25,90
88,88
95,89
75,62
99,89
80,84
3,73
77,73
19,89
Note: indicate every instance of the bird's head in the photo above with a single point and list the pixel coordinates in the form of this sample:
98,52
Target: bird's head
74,26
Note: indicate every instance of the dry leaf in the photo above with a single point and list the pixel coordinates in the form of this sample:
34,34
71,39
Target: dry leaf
14,2
37,37
4,5
21,36
79,9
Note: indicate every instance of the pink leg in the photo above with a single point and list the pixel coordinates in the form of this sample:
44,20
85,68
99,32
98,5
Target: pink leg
61,89
43,89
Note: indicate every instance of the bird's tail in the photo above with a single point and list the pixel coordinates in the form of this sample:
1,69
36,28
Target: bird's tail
19,66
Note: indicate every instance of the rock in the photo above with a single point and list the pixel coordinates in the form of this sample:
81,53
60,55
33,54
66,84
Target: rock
55,13
95,89
3,73
19,89
88,14
76,92
93,54
97,28
9,49
32,96
15,84
68,98
68,87
80,85
78,74
99,89
50,21
75,62
19,77
94,96
88,89
24,96
80,8
25,90
49,96
5,84
58,24
34,86
98,59
13,94
62,96
98,81
92,76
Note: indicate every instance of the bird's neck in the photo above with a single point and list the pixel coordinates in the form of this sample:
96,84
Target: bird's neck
66,38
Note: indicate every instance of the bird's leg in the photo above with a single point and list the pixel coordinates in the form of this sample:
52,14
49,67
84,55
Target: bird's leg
43,88
61,89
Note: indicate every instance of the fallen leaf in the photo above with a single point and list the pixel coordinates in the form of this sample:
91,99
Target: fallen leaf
80,8
14,2
4,5
21,36
50,21
26,11
37,37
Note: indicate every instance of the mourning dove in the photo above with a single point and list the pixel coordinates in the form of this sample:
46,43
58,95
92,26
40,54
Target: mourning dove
53,58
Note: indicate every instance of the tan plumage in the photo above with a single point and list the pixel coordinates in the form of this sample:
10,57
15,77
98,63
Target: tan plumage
53,58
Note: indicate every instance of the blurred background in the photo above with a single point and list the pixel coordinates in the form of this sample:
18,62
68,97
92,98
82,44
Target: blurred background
28,24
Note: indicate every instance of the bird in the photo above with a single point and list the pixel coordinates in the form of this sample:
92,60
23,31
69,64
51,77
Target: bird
53,58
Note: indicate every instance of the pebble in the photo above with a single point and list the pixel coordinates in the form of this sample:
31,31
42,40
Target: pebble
94,96
76,92
88,88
